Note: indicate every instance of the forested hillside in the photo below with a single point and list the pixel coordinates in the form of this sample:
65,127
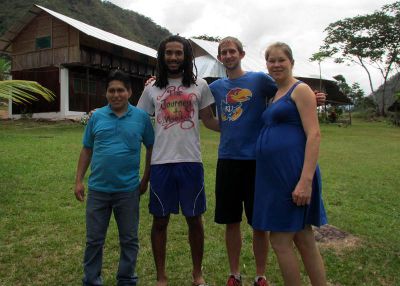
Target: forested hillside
101,14
392,88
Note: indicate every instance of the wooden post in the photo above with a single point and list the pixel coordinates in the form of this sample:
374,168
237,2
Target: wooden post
349,115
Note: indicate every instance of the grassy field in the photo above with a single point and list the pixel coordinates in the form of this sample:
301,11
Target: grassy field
42,228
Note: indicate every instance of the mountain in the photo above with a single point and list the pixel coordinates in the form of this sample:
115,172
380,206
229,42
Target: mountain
392,87
101,14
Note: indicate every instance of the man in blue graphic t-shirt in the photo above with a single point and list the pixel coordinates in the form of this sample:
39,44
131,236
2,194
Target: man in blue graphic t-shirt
240,99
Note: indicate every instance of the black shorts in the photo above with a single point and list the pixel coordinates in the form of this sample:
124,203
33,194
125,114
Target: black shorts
234,189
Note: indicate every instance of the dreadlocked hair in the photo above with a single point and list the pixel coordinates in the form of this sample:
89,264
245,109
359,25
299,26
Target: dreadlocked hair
188,76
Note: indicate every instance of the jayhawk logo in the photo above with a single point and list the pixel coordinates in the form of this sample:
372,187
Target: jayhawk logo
231,107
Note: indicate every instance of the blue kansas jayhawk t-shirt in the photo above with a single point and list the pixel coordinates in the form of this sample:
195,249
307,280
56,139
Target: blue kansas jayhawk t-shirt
240,103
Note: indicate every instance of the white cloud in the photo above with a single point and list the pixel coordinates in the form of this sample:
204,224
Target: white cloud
258,23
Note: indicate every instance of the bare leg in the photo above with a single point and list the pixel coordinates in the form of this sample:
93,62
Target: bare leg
260,250
282,243
305,243
196,241
159,244
233,240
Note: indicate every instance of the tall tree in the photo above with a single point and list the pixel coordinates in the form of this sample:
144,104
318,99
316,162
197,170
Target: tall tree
319,57
342,83
371,41
354,92
357,94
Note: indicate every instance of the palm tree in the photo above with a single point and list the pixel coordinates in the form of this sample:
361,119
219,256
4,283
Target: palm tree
5,67
20,91
24,91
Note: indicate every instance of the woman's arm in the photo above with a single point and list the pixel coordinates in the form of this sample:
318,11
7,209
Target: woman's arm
305,101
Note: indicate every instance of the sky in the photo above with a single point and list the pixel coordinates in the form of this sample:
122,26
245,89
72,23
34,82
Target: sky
258,23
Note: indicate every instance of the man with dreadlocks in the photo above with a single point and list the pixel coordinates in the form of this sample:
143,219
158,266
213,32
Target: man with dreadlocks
177,98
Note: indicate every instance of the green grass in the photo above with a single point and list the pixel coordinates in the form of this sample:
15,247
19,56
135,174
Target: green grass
42,226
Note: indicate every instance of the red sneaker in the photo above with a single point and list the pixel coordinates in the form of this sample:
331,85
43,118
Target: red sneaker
233,281
261,282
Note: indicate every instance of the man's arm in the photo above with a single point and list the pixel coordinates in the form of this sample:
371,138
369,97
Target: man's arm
146,174
208,119
321,97
83,164
145,101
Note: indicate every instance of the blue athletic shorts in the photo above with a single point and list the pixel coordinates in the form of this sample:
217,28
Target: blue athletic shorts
175,184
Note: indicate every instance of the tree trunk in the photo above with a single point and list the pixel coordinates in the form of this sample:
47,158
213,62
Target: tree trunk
369,75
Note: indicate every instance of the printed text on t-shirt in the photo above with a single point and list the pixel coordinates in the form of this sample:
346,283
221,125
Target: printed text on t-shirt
176,107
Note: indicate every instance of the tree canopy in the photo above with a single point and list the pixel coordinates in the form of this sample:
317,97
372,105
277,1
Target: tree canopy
354,92
371,41
208,38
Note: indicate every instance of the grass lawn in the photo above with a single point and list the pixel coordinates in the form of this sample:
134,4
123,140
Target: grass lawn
42,226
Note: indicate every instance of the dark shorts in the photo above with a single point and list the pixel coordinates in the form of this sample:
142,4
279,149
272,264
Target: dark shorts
177,184
234,189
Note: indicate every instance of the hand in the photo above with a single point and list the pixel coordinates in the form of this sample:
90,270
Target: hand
143,186
321,97
150,80
80,192
302,193
91,113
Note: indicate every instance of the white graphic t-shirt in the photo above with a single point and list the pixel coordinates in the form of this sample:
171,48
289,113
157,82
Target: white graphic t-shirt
176,113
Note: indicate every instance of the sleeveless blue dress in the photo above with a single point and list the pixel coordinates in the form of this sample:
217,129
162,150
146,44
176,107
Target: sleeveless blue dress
280,154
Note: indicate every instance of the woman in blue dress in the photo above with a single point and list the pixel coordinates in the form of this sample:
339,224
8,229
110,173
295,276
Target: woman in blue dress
288,199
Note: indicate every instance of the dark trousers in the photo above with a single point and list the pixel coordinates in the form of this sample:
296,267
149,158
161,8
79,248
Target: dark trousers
100,205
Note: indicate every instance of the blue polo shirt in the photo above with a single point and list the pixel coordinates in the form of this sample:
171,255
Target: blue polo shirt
116,143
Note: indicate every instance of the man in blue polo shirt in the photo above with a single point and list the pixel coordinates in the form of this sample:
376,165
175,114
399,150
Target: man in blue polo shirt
111,145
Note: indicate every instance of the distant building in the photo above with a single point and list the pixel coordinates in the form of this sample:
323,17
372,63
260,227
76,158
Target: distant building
72,59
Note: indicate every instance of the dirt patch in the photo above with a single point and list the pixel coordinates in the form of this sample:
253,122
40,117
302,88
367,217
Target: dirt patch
334,238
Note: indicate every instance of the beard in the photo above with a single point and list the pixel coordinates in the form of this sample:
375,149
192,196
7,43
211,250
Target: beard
175,72
232,67
179,70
